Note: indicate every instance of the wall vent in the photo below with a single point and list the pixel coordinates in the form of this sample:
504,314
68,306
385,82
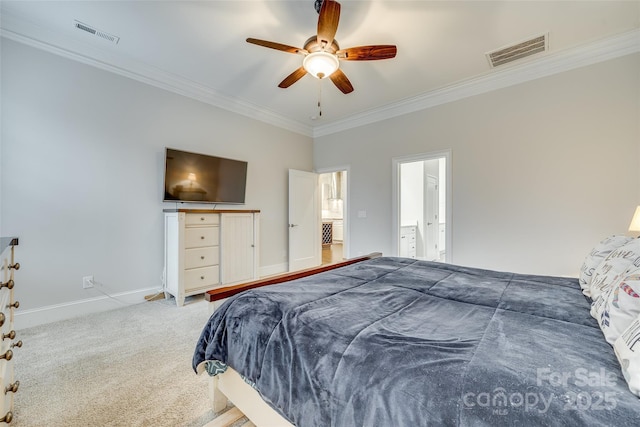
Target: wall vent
519,50
94,31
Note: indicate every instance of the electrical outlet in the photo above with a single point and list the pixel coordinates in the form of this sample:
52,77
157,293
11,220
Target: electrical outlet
87,282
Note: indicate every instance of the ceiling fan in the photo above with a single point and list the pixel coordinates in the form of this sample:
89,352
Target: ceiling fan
321,52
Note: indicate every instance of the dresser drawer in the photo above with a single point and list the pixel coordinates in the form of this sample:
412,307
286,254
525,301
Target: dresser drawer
201,219
201,257
201,277
198,237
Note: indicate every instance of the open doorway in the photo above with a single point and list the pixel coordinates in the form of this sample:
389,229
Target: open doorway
422,206
333,195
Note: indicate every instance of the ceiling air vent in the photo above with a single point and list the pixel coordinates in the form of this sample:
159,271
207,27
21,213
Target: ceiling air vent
94,31
519,50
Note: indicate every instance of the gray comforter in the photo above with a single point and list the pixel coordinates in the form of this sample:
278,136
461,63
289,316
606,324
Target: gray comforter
399,342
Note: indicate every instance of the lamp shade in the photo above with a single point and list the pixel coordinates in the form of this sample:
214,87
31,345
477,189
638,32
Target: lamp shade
635,221
320,64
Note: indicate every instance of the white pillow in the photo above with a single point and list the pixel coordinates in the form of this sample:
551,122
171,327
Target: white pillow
597,310
627,348
619,305
614,266
596,256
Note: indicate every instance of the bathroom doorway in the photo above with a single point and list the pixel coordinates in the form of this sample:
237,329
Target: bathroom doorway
422,206
334,205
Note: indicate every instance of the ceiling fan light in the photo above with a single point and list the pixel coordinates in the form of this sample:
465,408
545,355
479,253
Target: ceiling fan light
320,64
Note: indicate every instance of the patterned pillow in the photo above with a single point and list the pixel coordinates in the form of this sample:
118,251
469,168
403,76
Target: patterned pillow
627,348
614,266
596,256
618,306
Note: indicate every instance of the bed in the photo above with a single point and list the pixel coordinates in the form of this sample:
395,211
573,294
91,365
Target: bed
392,341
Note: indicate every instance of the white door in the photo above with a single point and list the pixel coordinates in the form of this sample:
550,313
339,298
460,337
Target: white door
305,229
431,220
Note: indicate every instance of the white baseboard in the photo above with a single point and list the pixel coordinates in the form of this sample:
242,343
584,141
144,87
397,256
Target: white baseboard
52,313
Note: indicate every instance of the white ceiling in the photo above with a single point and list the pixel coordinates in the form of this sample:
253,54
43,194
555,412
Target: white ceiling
198,48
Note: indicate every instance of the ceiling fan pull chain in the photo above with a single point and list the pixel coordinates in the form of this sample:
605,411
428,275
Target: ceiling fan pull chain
319,98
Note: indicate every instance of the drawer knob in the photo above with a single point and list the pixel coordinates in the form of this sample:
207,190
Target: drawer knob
201,277
17,344
202,257
9,284
12,387
201,237
8,355
7,418
16,304
201,218
11,335
15,266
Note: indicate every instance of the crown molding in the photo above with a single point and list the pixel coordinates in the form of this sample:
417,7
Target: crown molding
599,51
51,42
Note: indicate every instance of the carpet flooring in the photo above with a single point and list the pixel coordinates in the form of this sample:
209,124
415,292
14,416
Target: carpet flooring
126,367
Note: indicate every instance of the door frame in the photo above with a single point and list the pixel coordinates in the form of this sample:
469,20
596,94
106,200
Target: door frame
395,198
346,251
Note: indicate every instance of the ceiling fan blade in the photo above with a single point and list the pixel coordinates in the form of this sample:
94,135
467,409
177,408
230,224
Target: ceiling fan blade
292,78
367,53
341,81
328,22
277,46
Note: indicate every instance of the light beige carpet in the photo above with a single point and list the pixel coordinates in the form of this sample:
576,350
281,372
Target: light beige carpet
126,367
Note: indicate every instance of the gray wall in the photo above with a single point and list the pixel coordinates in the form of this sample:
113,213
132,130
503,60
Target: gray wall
82,167
540,171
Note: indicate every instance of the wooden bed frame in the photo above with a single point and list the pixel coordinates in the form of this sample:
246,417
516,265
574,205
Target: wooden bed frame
230,385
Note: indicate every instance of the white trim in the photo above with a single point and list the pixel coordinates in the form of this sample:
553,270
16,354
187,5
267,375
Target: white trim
52,313
141,72
553,63
545,65
346,218
395,198
68,310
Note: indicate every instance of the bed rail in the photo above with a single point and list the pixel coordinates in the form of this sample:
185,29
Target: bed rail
221,293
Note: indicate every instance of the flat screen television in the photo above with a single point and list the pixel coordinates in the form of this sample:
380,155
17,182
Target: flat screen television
199,178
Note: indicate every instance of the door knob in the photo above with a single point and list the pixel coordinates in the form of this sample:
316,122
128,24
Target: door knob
293,225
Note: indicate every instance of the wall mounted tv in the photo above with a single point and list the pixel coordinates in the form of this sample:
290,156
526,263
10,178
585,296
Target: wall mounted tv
199,178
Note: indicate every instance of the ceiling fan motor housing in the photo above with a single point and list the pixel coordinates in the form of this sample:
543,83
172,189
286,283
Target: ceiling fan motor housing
312,45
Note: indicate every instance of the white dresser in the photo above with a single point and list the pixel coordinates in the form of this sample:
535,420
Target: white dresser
208,249
8,306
